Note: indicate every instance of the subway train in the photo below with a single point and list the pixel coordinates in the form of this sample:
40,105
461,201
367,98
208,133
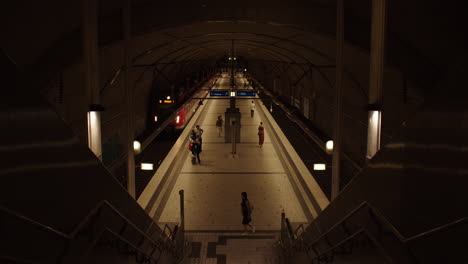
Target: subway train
190,105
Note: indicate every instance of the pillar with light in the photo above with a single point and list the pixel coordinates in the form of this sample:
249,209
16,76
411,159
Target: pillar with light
376,75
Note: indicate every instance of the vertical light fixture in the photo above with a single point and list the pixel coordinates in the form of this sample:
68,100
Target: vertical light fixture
373,131
329,146
94,130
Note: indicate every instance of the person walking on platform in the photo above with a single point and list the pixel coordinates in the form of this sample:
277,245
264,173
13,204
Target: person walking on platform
246,208
261,134
196,149
219,126
252,109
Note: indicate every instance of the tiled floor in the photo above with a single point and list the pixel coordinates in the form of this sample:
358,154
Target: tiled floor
213,188
233,248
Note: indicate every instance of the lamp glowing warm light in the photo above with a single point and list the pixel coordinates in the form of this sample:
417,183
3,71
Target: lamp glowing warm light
146,166
319,166
94,132
230,58
168,98
235,58
136,147
329,146
155,118
245,69
373,133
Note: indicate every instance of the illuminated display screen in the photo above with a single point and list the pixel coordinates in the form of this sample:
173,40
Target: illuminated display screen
219,93
245,93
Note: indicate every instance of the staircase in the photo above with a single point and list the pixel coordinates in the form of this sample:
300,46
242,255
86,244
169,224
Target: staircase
224,247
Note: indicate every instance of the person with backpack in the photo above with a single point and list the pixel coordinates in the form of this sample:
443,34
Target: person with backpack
198,135
246,208
196,149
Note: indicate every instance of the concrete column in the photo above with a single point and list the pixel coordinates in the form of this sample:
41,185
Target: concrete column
376,75
91,69
338,100
182,210
126,19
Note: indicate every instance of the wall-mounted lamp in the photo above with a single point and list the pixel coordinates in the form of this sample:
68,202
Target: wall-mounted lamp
319,167
373,130
136,146
329,146
94,129
146,166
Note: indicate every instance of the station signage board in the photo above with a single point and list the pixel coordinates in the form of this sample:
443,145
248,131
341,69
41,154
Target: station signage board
245,93
219,93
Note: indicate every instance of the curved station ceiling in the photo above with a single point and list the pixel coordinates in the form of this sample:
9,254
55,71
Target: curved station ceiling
289,46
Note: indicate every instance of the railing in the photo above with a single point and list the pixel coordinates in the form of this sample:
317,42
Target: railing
321,249
147,249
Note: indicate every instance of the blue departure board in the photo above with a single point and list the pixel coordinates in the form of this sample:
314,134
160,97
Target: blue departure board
219,93
245,93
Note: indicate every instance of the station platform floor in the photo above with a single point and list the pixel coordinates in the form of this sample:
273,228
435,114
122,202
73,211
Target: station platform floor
213,188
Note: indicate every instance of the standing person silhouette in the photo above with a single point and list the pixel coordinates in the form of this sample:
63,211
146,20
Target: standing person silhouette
261,134
198,134
246,208
252,109
196,149
219,126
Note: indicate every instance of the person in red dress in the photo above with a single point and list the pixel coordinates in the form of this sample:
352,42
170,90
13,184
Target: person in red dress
261,134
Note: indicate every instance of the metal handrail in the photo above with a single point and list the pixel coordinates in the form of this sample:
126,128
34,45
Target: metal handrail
82,224
128,243
389,225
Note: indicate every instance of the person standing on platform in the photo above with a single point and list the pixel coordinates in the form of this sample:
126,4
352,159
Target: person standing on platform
193,135
261,134
219,126
199,133
196,149
246,208
252,109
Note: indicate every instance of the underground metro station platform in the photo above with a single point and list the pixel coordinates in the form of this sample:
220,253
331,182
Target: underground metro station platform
341,135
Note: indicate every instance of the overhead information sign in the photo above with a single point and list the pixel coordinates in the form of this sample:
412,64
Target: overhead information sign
245,93
219,93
